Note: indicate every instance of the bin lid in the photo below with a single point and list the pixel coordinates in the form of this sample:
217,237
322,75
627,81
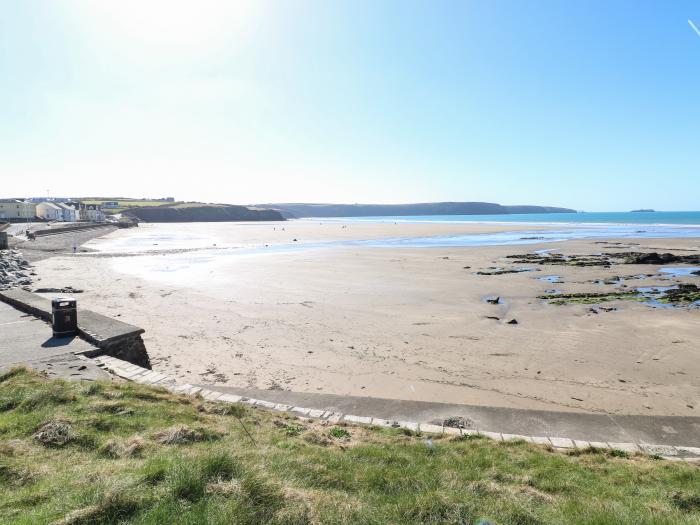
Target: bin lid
63,301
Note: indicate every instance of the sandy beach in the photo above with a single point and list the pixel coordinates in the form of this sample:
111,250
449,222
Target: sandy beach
393,322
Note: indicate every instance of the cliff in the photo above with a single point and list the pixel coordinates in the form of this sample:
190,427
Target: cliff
292,210
202,213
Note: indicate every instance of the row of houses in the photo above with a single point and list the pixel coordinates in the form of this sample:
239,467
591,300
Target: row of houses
69,211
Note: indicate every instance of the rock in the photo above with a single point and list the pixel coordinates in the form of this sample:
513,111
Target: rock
513,321
12,270
656,258
598,309
67,289
685,293
501,271
493,300
651,258
458,422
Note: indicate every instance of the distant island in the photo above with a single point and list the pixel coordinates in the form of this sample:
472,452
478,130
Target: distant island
644,210
300,210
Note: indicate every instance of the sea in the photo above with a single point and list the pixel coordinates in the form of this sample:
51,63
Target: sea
659,218
180,253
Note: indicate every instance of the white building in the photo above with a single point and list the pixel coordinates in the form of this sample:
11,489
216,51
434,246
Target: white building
17,209
92,212
49,211
70,213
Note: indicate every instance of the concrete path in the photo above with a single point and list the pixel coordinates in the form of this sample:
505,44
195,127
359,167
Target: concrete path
24,339
676,430
668,450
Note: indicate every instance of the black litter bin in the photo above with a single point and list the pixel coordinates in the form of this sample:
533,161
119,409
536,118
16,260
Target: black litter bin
64,318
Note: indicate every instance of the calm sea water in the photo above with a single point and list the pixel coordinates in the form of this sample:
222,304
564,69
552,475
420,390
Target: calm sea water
211,249
657,218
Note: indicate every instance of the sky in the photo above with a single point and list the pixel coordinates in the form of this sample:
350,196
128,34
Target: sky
592,105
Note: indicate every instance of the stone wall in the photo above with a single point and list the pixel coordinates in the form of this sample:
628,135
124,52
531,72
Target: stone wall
129,347
67,229
110,336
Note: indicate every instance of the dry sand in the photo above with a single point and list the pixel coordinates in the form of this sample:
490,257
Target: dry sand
405,323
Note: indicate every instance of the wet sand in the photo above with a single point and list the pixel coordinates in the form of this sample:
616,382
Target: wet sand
402,323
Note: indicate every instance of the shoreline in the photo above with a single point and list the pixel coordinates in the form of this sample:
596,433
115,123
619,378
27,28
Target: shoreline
410,323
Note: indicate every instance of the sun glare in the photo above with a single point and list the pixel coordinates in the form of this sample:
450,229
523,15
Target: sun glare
172,23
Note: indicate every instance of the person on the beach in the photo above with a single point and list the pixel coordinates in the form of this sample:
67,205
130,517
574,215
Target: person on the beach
75,248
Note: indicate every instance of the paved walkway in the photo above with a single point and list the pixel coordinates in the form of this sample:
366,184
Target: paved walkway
26,340
677,430
669,449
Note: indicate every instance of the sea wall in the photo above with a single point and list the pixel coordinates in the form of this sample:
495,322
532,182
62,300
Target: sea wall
109,336
72,228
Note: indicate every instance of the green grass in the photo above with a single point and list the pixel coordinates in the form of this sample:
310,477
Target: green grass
339,432
124,204
116,468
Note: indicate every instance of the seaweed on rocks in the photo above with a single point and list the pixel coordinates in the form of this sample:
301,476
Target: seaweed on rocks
684,293
589,297
605,259
562,260
503,271
680,295
655,258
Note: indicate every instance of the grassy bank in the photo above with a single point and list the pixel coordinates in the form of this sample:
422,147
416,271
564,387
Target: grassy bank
87,453
124,205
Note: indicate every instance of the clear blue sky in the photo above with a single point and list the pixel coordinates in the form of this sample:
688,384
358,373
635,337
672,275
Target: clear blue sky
593,105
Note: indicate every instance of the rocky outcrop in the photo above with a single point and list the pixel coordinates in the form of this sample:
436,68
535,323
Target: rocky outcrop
14,270
659,258
203,213
604,259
